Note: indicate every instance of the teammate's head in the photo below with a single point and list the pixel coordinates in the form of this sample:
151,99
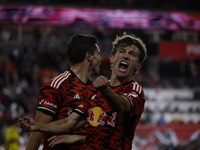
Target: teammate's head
79,45
128,53
127,40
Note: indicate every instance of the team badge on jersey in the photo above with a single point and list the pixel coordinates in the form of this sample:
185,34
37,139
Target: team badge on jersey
98,117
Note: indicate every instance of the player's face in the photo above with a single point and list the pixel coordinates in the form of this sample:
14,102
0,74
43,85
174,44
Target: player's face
96,61
125,62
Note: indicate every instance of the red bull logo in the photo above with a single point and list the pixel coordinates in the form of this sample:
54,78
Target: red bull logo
97,117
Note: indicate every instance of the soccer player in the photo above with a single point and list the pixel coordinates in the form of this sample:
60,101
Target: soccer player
62,94
114,111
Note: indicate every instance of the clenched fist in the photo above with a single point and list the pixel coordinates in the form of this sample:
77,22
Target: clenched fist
100,82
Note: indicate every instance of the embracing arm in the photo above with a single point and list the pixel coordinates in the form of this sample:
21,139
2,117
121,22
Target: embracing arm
67,139
115,101
63,126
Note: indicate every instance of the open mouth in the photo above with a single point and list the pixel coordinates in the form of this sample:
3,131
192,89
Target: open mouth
123,66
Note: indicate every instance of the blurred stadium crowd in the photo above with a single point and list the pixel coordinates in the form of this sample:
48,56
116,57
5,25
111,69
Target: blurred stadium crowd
179,5
31,55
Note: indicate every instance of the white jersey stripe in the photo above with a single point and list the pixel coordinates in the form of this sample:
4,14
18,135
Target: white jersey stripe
54,80
62,80
140,90
137,87
59,79
46,109
134,86
79,111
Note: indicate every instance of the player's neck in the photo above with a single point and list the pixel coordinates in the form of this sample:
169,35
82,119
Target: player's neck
81,71
116,80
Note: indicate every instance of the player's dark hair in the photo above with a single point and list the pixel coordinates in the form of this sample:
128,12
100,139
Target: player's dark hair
79,45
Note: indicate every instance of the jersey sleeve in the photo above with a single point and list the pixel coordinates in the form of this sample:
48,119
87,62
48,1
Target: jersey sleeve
49,99
137,100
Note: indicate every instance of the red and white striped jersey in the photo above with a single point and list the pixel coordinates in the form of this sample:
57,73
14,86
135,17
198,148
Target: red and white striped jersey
110,130
59,97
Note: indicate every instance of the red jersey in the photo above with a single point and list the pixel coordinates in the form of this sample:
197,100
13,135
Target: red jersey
59,97
109,130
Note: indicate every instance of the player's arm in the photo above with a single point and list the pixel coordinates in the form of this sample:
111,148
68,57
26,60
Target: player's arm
35,138
63,126
67,139
116,102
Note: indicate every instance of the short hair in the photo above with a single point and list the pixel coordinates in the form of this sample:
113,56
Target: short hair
127,40
79,45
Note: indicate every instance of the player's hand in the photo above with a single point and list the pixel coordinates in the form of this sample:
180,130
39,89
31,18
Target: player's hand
64,139
27,124
100,82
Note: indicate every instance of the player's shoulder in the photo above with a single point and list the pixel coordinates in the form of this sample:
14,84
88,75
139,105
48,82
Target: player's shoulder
136,87
58,80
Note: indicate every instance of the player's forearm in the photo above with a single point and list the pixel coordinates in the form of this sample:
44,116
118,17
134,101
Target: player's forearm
116,102
37,138
55,127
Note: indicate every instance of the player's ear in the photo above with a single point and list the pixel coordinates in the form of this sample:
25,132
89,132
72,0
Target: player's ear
139,64
88,56
111,58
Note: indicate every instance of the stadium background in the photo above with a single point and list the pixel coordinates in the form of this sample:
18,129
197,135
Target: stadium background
32,50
